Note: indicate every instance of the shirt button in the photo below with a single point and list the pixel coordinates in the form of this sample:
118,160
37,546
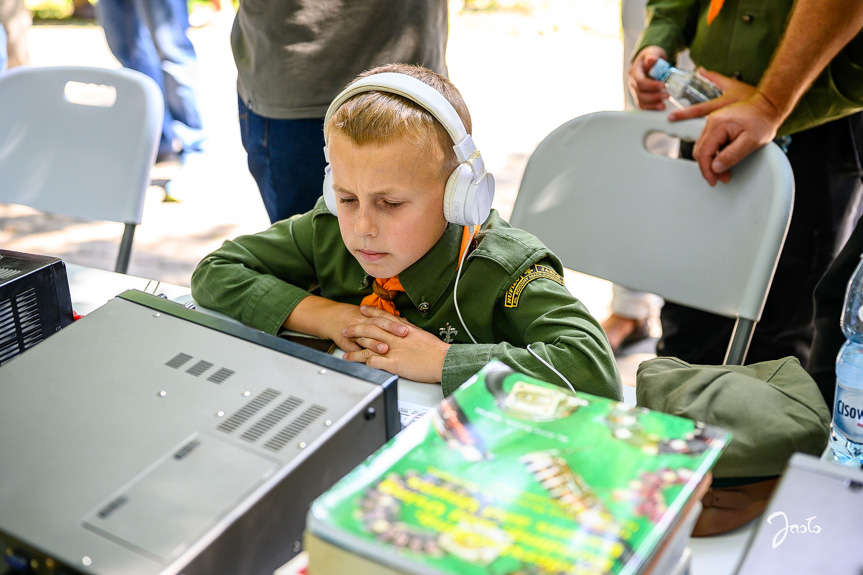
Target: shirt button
737,75
424,307
747,18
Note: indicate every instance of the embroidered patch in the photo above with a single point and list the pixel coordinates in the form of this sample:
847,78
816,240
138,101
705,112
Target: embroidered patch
533,272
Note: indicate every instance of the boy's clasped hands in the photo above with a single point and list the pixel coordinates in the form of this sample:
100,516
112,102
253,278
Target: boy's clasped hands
377,338
384,341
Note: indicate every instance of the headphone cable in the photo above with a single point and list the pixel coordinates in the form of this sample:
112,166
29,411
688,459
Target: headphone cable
455,289
470,335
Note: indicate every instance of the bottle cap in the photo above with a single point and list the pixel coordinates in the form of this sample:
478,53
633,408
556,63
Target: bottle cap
660,70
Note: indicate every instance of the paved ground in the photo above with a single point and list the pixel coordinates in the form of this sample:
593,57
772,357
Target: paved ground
521,73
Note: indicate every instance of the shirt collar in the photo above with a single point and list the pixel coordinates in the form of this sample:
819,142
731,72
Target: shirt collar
428,278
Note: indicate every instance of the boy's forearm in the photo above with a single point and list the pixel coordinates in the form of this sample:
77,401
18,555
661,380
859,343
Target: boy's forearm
817,30
309,316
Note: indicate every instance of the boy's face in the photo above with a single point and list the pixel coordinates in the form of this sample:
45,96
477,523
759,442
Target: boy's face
390,202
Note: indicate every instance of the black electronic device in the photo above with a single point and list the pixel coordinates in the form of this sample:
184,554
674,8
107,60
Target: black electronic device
34,301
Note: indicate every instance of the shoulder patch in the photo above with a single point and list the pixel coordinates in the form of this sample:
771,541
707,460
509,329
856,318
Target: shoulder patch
535,271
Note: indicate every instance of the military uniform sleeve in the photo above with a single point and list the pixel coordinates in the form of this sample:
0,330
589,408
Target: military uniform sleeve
669,24
836,93
259,279
538,310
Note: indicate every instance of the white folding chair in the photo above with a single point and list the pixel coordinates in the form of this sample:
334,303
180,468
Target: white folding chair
610,208
80,141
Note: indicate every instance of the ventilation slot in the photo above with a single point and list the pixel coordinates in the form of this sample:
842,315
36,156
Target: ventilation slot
6,273
295,427
20,324
30,324
179,360
255,432
221,375
247,411
8,337
199,368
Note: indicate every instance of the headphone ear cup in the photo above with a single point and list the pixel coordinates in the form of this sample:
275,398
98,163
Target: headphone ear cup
467,203
483,196
455,198
329,194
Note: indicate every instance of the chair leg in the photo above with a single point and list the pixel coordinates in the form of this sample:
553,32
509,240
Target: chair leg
740,338
125,249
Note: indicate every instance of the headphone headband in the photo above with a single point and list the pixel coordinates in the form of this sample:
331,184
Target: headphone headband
469,189
419,92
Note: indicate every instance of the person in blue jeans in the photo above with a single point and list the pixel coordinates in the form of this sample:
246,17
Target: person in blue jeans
150,36
294,56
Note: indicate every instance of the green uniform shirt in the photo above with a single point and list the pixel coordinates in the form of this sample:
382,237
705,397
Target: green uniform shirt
740,42
511,294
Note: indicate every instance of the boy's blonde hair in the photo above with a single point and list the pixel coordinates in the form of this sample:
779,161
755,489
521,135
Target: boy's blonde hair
377,117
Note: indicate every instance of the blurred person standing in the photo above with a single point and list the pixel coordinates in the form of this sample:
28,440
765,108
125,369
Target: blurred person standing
294,56
150,36
735,41
15,22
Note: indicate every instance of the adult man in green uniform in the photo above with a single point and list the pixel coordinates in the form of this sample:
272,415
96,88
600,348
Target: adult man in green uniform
401,245
734,41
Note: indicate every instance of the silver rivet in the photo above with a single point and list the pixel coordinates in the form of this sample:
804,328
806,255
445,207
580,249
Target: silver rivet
157,315
162,393
86,561
328,422
220,413
247,393
302,445
322,371
297,546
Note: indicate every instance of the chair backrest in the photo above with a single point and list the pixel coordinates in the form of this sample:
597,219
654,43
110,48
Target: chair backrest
610,208
79,141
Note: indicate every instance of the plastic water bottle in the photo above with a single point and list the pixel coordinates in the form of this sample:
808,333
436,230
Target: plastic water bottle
685,88
846,434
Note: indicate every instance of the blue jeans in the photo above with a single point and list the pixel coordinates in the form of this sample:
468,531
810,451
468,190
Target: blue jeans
286,158
150,36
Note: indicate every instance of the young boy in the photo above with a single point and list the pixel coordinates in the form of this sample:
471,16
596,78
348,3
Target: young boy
389,260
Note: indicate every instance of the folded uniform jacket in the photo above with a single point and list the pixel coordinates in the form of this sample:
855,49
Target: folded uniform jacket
772,409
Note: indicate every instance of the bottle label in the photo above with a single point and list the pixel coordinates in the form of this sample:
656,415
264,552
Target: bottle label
848,412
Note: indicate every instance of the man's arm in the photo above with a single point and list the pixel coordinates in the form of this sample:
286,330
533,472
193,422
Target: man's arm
817,30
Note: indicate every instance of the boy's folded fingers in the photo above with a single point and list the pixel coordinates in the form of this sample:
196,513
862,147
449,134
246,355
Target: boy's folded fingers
393,326
371,344
362,356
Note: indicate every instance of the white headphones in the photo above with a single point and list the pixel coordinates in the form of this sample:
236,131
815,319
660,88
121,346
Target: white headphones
469,189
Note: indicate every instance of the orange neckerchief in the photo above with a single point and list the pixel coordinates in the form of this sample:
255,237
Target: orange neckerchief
713,10
384,290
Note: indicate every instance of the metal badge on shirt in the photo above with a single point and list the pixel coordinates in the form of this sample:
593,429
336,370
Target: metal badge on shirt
533,272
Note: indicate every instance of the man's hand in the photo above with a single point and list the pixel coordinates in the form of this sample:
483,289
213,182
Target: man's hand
649,94
396,345
732,91
734,132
